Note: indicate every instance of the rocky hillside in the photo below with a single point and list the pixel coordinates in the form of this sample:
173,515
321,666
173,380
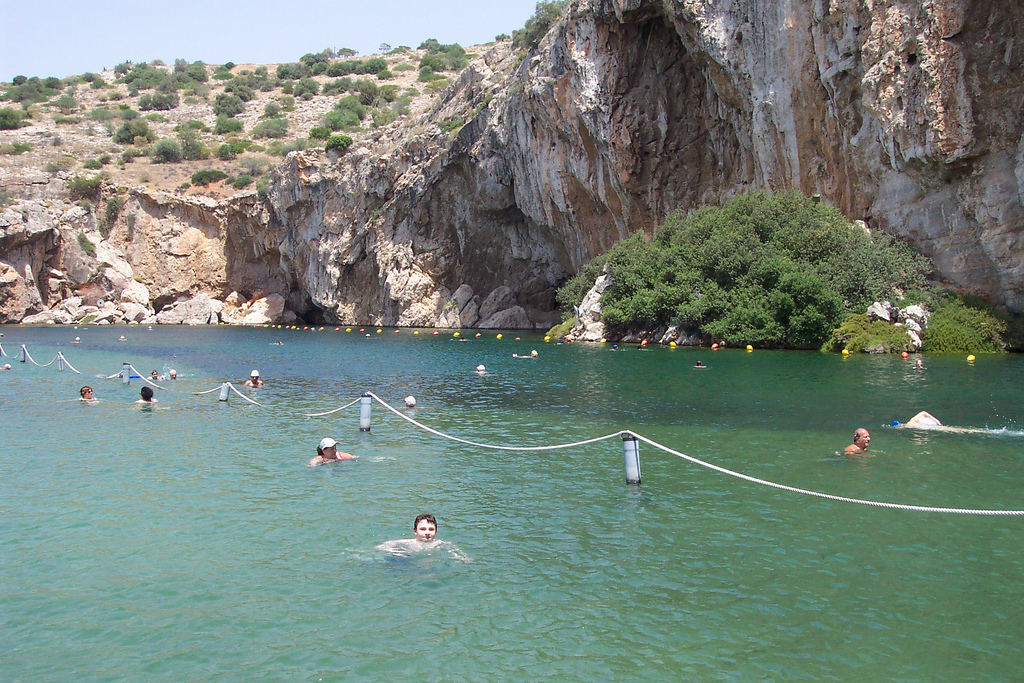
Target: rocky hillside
472,207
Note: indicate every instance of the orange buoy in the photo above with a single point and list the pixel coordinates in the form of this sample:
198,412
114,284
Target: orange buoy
714,347
905,355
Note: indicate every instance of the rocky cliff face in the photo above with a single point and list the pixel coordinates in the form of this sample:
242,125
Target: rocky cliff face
905,115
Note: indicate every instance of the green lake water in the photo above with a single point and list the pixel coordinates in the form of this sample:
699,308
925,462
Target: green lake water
190,541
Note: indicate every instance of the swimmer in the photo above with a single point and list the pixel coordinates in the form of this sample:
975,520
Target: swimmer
146,395
121,338
410,401
155,377
78,340
7,366
533,354
918,364
861,440
254,379
86,393
173,374
481,370
700,365
425,528
923,420
327,452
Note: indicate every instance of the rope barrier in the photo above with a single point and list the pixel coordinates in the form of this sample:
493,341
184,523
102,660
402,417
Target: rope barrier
29,357
255,403
143,377
331,412
216,388
3,353
491,446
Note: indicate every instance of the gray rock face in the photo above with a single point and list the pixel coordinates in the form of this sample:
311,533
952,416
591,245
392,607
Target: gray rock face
589,326
201,310
514,318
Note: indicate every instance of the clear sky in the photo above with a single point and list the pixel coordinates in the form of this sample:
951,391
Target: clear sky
67,37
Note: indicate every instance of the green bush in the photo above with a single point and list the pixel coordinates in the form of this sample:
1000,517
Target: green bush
293,72
85,188
343,68
192,147
337,86
956,328
306,88
158,101
166,151
368,91
205,177
255,166
385,75
271,128
113,210
192,124
338,143
131,131
271,110
242,181
228,105
92,165
101,114
243,90
859,333
66,104
226,125
544,17
197,72
283,148
772,270
9,118
319,132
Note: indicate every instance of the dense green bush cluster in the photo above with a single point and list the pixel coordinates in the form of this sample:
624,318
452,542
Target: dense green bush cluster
348,112
271,128
32,89
159,101
226,124
228,105
338,143
9,118
859,333
134,132
956,328
205,177
85,188
774,270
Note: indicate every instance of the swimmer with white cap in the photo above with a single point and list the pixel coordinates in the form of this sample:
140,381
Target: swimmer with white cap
7,366
481,370
78,340
254,379
410,401
327,451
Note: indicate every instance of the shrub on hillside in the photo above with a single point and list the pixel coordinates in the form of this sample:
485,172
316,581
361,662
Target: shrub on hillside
192,147
293,72
9,118
338,143
132,131
319,132
858,333
226,125
271,128
337,86
241,181
159,101
205,177
255,166
368,91
197,72
228,105
166,151
306,88
85,188
374,65
240,88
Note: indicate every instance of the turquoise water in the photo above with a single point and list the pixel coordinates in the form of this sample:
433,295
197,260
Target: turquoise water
190,541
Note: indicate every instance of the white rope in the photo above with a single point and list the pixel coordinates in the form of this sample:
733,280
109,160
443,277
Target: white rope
255,403
143,377
491,446
29,356
331,412
65,361
216,388
2,352
829,496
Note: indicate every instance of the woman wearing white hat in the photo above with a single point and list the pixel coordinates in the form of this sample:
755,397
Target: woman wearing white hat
254,379
327,452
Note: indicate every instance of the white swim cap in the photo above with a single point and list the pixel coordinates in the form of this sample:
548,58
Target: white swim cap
534,354
410,401
254,373
480,368
327,442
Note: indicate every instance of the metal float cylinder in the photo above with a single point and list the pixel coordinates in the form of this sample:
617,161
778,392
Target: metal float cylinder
126,373
631,452
60,361
24,353
364,413
224,389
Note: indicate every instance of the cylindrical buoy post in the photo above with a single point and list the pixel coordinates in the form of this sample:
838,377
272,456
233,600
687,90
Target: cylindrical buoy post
126,373
364,413
631,451
224,389
24,353
60,361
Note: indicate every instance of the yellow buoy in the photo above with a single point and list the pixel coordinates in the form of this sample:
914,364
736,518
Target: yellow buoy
672,345
416,332
456,335
348,329
845,352
749,347
970,358
547,338
498,337
603,340
379,330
